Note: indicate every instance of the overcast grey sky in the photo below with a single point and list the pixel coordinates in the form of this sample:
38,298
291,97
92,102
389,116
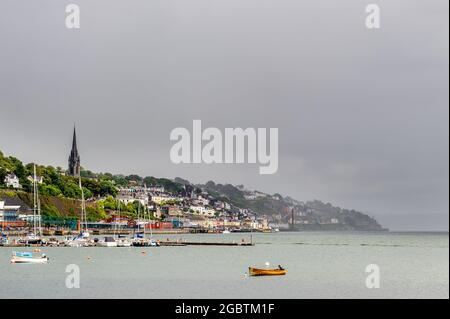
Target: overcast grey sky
362,114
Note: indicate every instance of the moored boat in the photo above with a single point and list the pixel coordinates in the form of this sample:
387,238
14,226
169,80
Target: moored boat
34,238
78,241
139,241
27,258
107,242
266,272
4,241
31,239
123,242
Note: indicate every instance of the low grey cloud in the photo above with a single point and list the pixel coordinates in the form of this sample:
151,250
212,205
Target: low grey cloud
362,114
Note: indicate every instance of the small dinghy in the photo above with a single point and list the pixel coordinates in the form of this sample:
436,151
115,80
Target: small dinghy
27,258
266,272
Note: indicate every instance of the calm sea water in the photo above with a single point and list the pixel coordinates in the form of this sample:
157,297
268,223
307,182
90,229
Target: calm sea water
320,265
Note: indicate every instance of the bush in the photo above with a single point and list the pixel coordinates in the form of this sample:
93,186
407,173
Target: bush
49,190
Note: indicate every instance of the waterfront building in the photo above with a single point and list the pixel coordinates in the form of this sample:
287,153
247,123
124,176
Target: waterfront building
74,158
9,216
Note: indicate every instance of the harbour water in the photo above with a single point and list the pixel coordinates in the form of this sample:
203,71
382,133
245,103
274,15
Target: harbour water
319,264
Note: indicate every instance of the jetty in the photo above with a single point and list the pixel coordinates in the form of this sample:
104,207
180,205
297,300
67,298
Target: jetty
203,243
55,242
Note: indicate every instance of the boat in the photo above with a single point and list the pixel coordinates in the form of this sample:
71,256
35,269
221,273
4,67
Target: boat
153,243
77,241
124,242
83,220
27,258
266,272
107,242
226,231
139,239
4,241
33,238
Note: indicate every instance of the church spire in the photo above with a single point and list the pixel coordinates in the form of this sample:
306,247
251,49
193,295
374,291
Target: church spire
74,158
74,141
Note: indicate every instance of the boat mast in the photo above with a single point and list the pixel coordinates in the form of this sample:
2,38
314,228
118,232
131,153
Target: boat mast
118,219
150,224
38,211
83,207
139,216
34,199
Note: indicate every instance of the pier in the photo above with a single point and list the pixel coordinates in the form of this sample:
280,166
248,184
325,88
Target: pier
54,242
212,243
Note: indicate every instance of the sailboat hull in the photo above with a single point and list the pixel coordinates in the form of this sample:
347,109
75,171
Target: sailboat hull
28,260
31,241
107,244
124,244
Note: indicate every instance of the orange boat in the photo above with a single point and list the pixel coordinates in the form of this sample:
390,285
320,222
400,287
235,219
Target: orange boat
266,272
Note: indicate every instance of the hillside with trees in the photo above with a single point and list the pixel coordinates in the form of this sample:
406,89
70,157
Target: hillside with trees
61,194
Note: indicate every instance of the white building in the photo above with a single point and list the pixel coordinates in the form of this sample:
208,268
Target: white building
39,179
204,211
254,195
11,180
155,188
159,199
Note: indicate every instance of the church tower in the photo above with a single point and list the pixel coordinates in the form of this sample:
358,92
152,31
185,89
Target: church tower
74,158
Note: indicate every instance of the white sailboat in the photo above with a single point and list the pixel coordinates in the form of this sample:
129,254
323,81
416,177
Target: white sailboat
139,238
121,241
107,242
85,231
151,242
34,238
82,239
